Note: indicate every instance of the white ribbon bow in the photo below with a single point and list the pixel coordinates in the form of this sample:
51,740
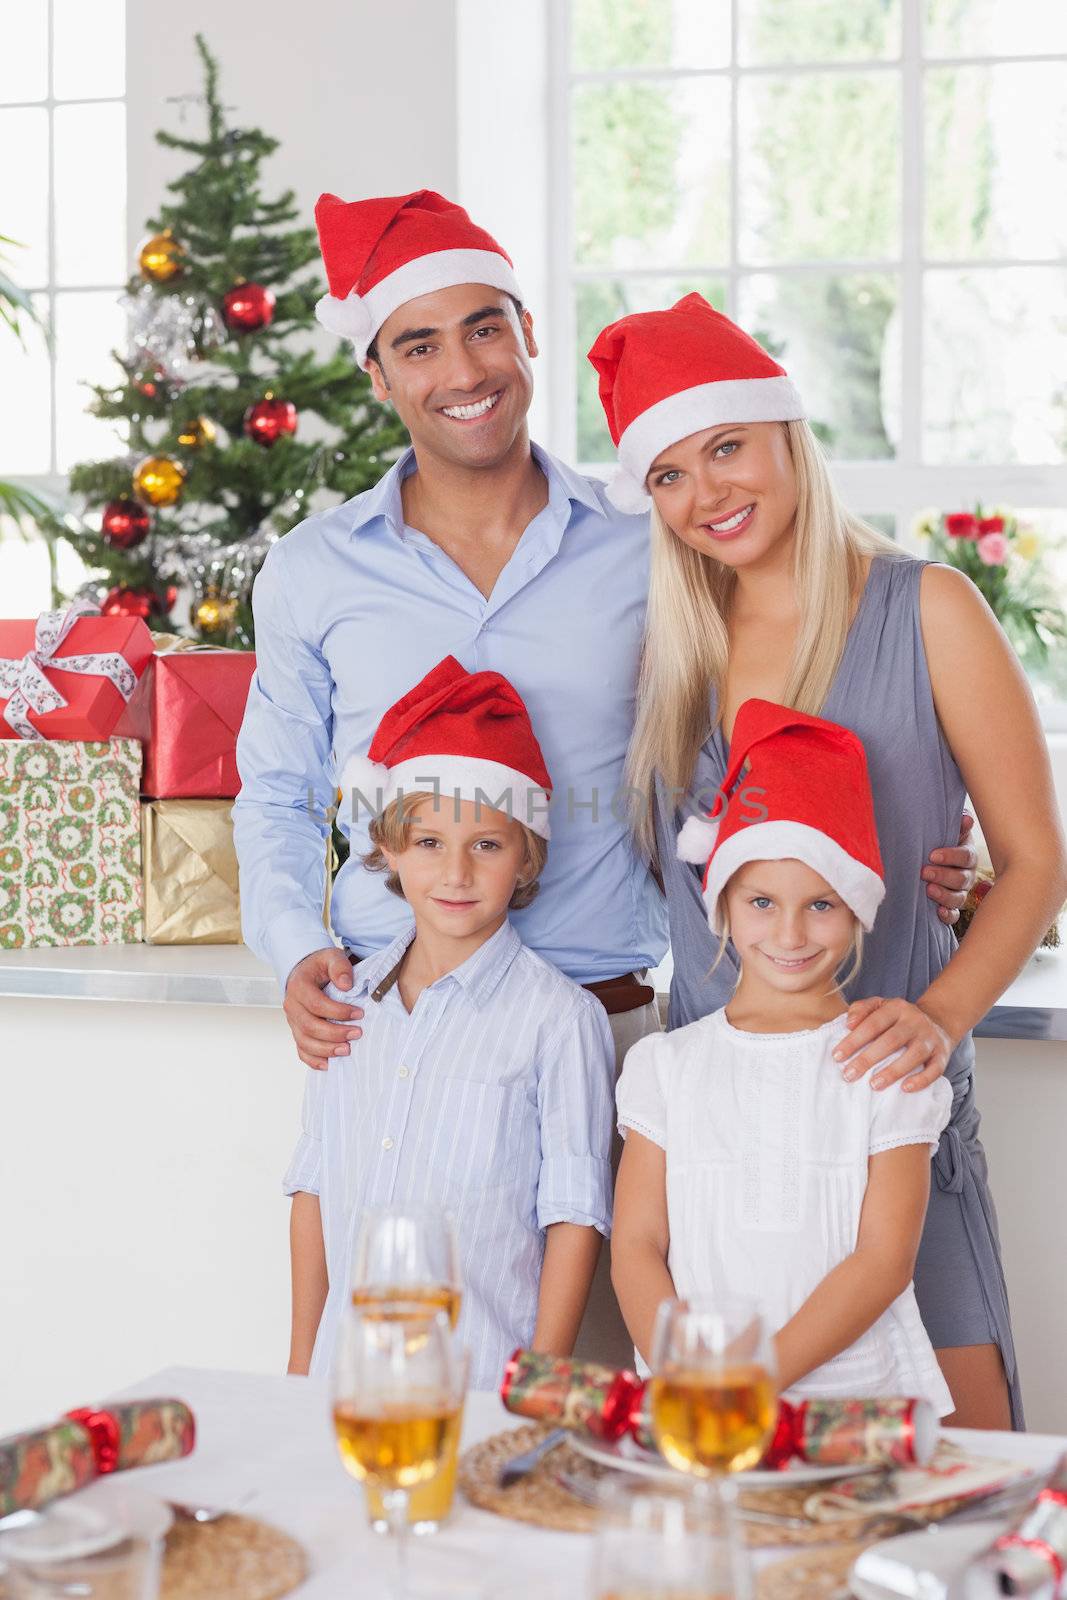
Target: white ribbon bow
23,681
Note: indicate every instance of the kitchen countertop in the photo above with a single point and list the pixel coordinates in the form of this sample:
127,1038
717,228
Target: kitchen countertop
1034,1007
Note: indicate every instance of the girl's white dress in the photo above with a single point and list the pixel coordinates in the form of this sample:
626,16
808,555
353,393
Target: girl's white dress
767,1150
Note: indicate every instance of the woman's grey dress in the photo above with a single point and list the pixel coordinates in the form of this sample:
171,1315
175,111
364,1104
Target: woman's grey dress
882,692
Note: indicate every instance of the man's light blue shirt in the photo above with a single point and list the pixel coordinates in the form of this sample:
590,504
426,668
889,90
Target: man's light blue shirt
352,608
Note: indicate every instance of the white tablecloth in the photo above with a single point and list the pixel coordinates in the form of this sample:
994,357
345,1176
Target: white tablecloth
265,1446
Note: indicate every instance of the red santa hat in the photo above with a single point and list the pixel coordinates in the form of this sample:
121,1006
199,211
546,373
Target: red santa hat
667,374
806,796
462,735
381,253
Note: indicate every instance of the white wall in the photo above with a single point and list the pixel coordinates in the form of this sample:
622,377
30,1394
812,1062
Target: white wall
361,93
146,1182
504,180
1022,1094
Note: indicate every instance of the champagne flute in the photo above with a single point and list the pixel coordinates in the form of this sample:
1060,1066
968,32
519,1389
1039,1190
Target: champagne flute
398,1389
713,1393
409,1254
661,1544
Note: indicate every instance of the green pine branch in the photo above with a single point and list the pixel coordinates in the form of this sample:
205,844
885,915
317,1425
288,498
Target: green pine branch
231,230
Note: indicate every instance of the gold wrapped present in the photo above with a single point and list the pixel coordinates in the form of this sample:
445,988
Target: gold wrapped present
190,872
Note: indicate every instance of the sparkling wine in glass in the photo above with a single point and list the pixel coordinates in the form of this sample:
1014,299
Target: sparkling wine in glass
398,1389
713,1392
408,1255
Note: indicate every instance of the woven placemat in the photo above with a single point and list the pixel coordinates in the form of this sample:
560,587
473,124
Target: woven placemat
538,1498
542,1499
233,1556
812,1575
230,1557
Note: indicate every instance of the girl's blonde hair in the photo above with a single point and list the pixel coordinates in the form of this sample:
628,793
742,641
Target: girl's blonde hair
686,629
390,830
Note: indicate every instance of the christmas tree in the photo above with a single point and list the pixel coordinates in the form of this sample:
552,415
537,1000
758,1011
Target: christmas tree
233,423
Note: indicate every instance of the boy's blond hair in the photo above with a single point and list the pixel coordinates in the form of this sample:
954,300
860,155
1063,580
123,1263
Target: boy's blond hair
389,831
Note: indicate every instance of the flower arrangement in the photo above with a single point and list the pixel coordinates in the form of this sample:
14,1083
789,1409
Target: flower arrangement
1003,559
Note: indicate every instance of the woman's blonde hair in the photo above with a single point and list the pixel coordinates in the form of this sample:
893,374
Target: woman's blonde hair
390,830
686,630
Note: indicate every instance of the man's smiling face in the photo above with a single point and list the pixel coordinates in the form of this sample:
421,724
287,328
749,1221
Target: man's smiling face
456,366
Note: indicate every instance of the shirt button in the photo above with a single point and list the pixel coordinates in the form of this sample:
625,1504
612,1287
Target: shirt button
403,1073
387,1144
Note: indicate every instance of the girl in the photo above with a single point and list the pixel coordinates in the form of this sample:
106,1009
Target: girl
751,1167
761,584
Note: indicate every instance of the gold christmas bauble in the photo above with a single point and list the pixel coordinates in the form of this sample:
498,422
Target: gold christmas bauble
197,432
161,257
215,613
158,481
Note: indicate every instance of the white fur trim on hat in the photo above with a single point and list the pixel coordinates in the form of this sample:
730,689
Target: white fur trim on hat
696,839
359,317
706,405
859,886
452,777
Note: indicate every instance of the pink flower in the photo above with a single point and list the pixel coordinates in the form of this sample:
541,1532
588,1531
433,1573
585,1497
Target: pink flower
961,525
992,548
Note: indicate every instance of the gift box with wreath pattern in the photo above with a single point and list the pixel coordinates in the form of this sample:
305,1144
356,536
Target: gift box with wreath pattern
70,843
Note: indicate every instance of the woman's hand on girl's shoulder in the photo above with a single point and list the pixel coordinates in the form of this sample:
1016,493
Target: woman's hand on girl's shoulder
880,1028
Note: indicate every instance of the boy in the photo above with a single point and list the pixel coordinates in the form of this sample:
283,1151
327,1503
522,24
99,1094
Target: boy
484,1079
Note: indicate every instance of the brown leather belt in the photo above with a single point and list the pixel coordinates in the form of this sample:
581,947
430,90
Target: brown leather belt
625,993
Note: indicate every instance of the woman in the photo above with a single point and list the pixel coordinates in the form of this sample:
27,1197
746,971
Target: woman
763,586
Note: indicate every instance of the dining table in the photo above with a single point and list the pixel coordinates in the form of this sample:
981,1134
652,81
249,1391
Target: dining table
265,1448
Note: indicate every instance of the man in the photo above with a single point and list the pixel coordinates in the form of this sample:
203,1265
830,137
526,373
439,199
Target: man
475,544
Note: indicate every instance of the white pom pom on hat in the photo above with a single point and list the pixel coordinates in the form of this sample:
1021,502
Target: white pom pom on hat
348,319
626,494
696,840
360,776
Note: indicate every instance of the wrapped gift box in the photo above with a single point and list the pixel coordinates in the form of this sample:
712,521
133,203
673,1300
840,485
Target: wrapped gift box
190,868
196,700
72,675
70,843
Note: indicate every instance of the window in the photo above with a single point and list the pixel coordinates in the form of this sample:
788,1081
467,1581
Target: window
63,198
873,187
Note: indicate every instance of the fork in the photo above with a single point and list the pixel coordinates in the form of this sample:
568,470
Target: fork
518,1467
193,1513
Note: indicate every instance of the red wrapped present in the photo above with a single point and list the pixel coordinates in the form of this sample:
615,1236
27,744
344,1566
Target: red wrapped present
197,701
71,674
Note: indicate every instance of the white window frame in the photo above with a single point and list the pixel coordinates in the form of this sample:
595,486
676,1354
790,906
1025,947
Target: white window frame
904,485
52,484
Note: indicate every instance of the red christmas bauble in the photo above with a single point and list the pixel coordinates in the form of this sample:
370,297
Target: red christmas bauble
124,524
144,603
247,306
269,419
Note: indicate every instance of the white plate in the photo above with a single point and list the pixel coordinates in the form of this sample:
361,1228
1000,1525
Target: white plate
627,1456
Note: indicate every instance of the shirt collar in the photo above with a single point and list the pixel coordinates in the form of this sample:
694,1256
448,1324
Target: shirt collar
478,976
384,501
372,969
565,483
